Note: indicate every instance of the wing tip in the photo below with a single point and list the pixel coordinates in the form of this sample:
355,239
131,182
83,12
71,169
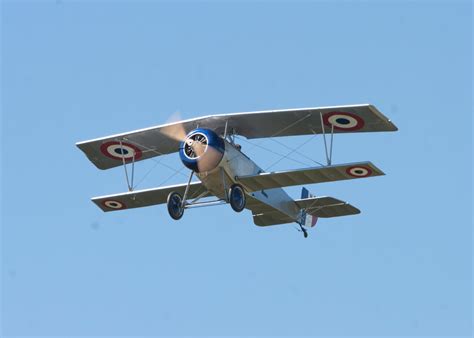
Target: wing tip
391,126
394,127
376,170
356,210
99,204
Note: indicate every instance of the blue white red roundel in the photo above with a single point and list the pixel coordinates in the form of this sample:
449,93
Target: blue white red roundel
119,151
359,171
343,121
112,204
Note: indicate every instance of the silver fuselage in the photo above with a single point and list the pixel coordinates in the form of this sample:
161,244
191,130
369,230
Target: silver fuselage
234,164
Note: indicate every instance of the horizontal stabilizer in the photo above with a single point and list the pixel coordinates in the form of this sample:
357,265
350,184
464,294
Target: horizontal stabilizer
335,210
326,207
308,176
147,197
317,202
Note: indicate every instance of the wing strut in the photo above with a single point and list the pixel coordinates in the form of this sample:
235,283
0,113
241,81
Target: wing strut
129,182
328,155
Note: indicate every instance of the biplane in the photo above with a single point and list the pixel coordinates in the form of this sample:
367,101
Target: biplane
207,147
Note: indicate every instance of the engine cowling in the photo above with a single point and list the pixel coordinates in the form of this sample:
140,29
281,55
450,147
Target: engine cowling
202,150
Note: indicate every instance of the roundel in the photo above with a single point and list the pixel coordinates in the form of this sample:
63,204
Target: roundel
119,151
343,121
112,204
359,171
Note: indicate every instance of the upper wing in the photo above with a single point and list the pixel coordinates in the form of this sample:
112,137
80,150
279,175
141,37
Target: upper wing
309,175
305,121
144,198
107,152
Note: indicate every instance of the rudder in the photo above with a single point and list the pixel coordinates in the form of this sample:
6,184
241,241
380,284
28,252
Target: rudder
307,219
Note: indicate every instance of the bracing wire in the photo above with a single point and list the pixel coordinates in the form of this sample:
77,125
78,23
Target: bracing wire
172,175
272,151
146,174
157,161
280,131
288,154
296,150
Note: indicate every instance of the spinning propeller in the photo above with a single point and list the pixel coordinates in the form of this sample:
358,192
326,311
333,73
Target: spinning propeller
196,145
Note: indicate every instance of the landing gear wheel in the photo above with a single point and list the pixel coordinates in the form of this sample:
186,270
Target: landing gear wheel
175,205
237,197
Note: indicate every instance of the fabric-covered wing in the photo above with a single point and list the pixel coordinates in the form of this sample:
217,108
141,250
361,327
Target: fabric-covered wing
326,207
144,198
306,121
107,152
309,176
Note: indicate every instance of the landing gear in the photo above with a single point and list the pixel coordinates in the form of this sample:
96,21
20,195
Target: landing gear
237,197
175,205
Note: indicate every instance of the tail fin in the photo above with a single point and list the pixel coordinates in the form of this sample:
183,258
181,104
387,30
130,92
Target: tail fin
307,219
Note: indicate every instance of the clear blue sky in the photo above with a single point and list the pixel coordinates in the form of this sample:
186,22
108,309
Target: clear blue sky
78,70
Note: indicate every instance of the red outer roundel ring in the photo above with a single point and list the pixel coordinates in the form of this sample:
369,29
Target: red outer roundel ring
359,125
104,150
349,171
108,204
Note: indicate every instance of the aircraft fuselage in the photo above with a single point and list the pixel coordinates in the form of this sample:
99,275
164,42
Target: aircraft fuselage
235,163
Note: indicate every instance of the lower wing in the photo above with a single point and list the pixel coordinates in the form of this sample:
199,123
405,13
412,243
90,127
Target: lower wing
147,197
308,176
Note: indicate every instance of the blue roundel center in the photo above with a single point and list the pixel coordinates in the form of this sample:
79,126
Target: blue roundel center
121,151
342,120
